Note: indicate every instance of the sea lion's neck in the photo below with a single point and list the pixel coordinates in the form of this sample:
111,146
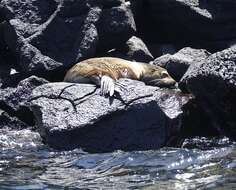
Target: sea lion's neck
138,68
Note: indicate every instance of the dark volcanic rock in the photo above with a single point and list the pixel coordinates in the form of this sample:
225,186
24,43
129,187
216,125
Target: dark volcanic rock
53,35
204,143
178,63
158,49
14,122
134,49
7,58
115,27
5,69
14,100
196,122
75,115
202,23
213,82
47,34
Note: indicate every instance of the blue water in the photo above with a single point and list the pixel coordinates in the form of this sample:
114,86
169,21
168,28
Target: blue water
25,163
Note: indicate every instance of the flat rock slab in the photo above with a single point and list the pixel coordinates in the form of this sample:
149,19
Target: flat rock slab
76,115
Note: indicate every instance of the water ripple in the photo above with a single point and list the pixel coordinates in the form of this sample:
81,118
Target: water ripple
25,163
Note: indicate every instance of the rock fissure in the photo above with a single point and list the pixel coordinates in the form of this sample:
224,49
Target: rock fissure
85,97
44,26
54,97
138,98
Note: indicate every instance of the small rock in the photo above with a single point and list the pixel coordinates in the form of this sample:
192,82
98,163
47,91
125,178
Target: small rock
115,27
134,49
178,63
204,143
14,100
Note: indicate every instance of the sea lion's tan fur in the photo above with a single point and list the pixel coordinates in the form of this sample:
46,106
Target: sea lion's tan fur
118,68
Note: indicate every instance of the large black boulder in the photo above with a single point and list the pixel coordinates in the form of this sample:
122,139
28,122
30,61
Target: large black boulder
76,115
196,23
213,82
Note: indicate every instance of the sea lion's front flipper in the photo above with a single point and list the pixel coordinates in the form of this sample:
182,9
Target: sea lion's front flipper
119,87
107,85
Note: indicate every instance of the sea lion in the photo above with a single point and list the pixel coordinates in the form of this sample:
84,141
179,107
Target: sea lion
105,71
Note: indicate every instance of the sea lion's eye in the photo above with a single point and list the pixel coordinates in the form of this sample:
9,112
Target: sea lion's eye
164,74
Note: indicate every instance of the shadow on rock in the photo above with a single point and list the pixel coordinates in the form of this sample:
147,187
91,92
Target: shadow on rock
212,81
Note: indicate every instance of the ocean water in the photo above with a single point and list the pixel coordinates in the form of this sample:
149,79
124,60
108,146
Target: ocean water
26,163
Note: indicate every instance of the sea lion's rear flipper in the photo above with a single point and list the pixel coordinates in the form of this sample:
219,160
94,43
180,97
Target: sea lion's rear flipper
107,85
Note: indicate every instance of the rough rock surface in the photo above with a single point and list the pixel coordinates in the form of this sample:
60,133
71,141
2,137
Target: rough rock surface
134,49
178,63
138,50
213,82
75,115
53,35
205,24
14,100
11,122
116,25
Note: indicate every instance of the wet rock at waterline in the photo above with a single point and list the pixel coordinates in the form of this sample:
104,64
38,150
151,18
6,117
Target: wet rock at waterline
213,83
75,115
177,64
14,100
53,35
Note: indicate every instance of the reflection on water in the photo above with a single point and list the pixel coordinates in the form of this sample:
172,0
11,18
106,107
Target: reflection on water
25,163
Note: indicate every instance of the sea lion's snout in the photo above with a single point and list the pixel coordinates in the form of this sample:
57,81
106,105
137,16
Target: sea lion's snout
167,82
163,83
160,78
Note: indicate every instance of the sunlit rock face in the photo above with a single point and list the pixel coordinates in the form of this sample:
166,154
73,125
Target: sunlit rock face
133,49
53,35
76,115
213,83
177,64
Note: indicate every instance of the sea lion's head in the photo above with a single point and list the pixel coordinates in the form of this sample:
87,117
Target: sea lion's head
157,76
